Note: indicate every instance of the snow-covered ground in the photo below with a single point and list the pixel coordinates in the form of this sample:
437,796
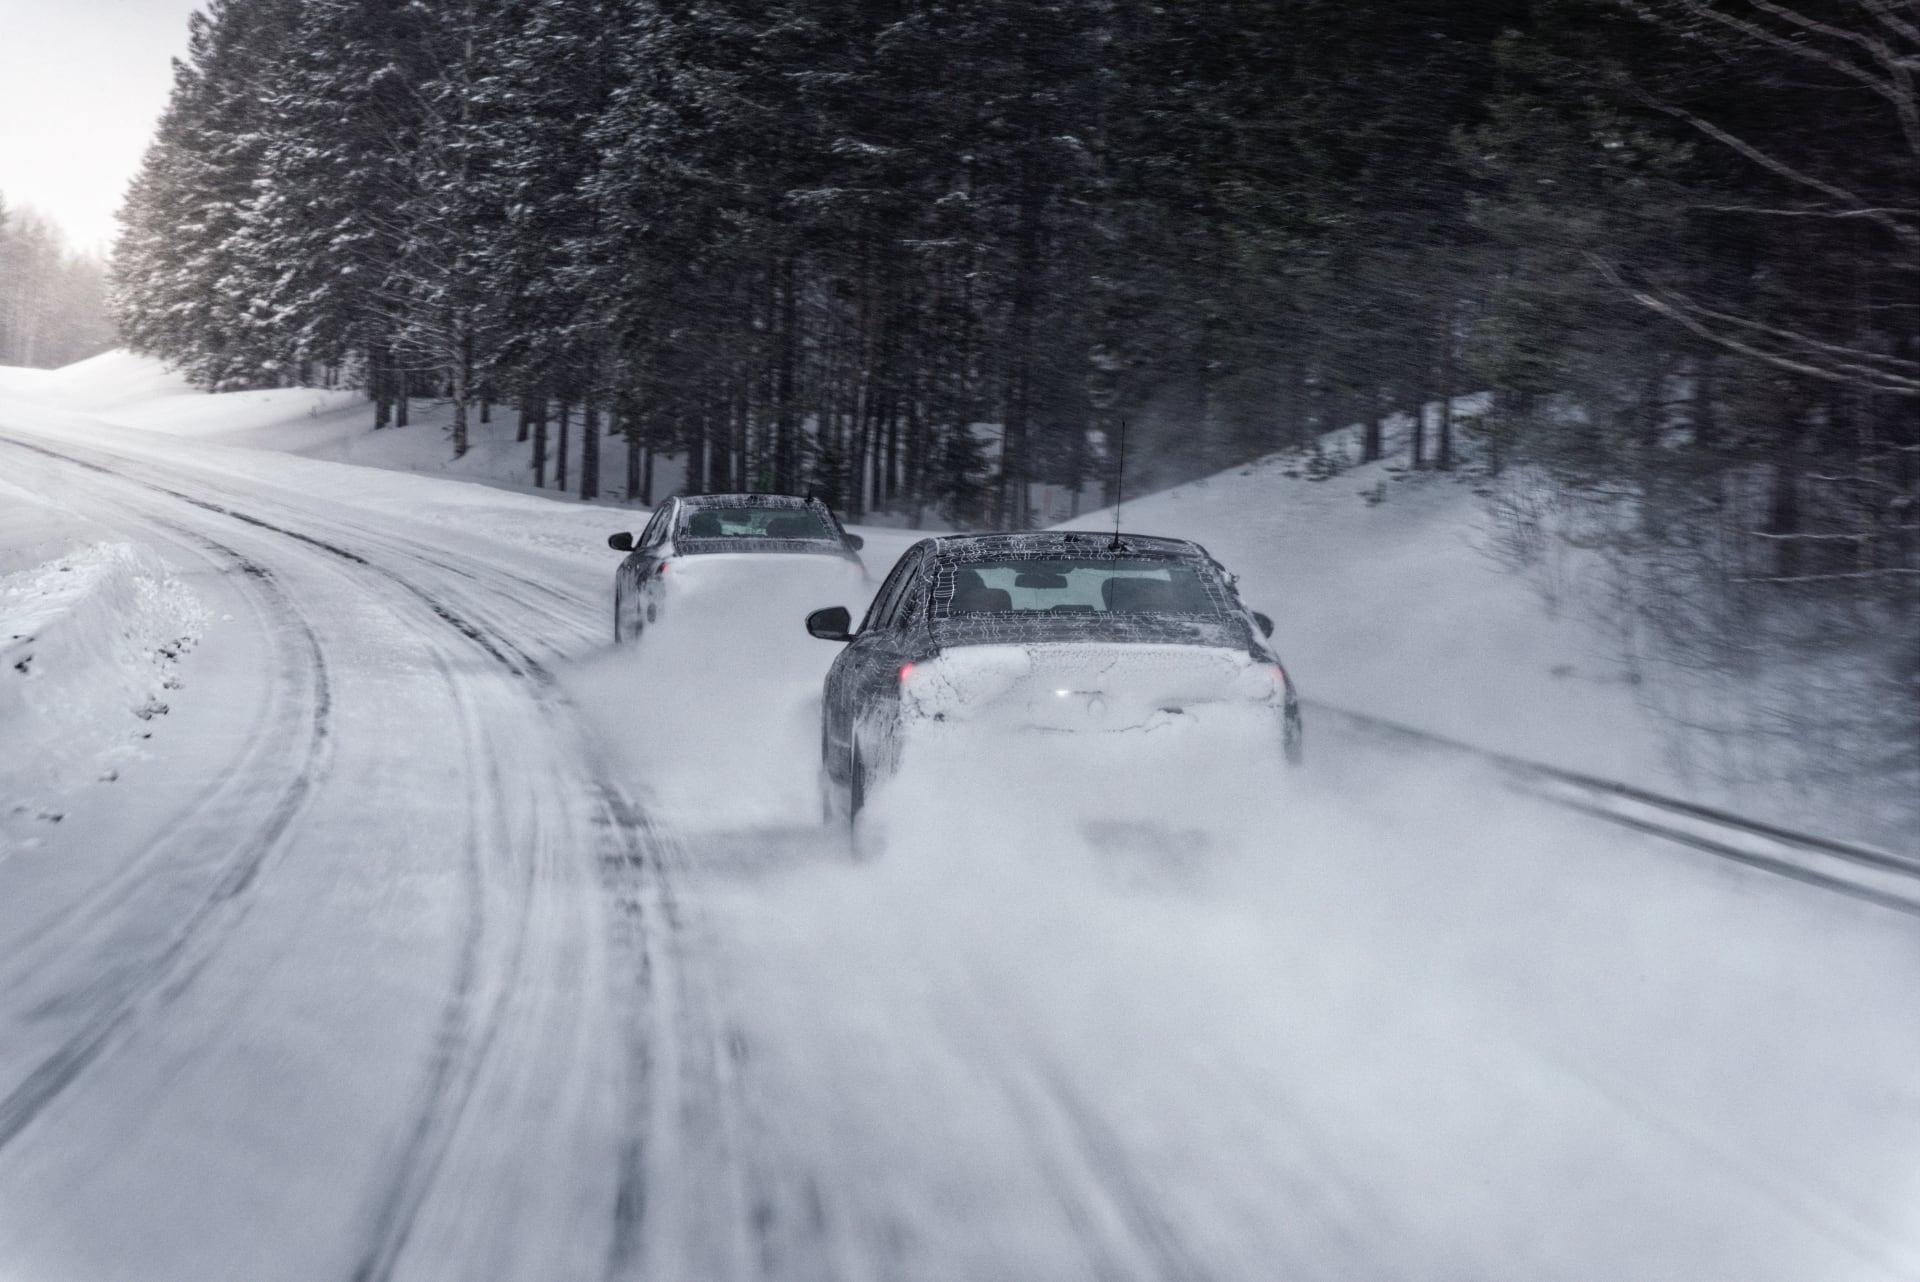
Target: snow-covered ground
422,937
135,391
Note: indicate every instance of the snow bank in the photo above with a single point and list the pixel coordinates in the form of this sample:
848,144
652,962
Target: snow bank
139,392
89,647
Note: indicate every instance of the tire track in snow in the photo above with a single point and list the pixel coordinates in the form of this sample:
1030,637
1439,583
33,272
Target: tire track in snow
122,995
659,1040
460,1044
648,913
1108,1202
687,1207
268,742
1111,1205
463,1039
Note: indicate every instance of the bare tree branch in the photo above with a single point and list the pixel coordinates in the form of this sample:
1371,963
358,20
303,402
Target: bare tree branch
1895,85
1908,235
1850,354
1884,11
1809,211
1847,373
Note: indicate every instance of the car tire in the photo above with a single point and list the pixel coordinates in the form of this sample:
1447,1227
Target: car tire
856,786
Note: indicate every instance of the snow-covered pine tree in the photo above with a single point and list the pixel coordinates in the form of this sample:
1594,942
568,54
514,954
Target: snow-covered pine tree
324,235
182,288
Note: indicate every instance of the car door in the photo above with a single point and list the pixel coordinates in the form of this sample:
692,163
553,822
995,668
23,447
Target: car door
638,567
853,683
885,645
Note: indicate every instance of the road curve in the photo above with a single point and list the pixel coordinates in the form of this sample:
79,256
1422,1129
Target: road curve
396,975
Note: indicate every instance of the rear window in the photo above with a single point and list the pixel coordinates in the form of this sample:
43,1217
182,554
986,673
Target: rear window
756,523
1068,586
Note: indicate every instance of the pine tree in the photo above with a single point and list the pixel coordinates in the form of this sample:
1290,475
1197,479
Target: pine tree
185,290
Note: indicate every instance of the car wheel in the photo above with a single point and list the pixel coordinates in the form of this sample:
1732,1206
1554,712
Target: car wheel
833,801
856,786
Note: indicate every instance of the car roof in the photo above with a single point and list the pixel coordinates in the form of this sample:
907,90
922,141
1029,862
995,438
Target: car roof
1079,544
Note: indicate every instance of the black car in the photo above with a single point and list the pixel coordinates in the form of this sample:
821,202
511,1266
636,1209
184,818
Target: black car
708,525
1059,630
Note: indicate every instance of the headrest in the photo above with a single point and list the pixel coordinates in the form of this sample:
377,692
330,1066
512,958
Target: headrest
1139,594
793,527
978,599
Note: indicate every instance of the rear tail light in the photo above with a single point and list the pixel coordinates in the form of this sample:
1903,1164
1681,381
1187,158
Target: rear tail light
906,674
663,567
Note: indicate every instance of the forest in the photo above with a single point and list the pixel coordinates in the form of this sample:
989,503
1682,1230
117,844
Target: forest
53,301
918,256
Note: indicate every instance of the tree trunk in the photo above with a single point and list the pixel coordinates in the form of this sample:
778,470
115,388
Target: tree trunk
1783,505
462,378
1015,462
786,438
380,383
1443,457
697,457
713,412
632,432
589,449
560,454
540,444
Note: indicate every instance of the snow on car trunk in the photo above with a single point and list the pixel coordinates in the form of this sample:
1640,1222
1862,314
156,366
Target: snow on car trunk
1087,685
89,644
1128,751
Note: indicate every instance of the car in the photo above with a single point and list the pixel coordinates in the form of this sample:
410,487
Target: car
1068,630
732,526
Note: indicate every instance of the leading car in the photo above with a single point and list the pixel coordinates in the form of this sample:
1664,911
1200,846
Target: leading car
708,529
1061,631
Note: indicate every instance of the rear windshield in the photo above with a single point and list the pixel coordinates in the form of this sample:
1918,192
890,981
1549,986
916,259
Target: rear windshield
1069,586
756,523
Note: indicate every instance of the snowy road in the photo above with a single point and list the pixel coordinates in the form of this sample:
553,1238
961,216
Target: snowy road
396,953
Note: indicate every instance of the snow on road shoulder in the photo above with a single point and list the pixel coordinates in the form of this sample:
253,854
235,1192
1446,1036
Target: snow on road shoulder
91,638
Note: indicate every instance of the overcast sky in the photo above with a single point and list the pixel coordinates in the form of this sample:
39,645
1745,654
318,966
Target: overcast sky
81,84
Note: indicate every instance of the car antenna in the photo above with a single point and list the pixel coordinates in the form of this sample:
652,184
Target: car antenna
1119,488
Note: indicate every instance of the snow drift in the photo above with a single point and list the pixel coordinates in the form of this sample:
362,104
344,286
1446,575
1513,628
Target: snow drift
89,647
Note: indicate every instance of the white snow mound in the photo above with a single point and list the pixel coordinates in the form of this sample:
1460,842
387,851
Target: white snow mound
89,646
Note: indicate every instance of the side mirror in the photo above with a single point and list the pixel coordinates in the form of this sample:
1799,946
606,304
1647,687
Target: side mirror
1266,624
621,542
855,542
831,624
